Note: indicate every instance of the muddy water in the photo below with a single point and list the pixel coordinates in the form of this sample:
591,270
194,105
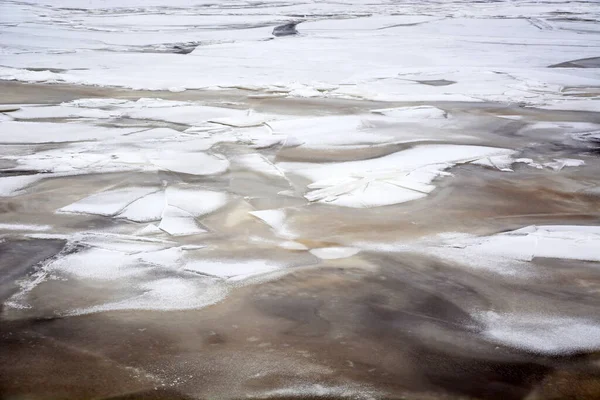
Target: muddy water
376,325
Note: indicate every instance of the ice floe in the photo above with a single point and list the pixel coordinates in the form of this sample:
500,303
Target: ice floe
108,203
396,178
543,334
331,253
178,222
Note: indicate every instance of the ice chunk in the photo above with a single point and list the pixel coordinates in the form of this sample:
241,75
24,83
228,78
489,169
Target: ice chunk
108,203
147,208
413,113
191,163
165,294
392,179
24,227
551,241
542,334
195,201
12,185
331,253
97,263
230,268
561,163
46,132
274,218
177,222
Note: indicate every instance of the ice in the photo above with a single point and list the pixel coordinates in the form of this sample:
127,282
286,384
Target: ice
274,218
413,113
13,185
332,131
62,111
547,241
145,209
543,334
108,203
241,122
196,202
561,163
24,227
190,163
259,163
46,132
396,178
177,222
486,52
502,162
98,264
230,268
165,294
332,253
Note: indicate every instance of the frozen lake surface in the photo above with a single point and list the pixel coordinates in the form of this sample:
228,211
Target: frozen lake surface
299,199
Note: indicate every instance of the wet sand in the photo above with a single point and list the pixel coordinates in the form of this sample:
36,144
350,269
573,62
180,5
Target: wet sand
377,325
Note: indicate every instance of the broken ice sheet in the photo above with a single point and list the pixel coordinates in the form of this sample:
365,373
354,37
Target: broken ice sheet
108,203
396,178
550,241
13,185
195,201
165,294
47,132
544,334
418,113
232,269
177,222
145,209
191,163
332,131
332,253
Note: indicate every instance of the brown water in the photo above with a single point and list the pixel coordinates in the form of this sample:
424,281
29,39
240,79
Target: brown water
376,325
